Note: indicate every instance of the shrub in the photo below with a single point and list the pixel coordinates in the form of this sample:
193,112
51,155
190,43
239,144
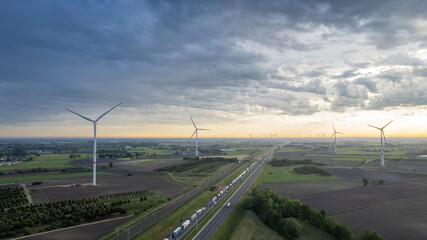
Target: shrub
368,235
365,182
291,228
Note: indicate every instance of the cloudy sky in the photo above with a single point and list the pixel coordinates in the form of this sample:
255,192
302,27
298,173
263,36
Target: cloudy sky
289,68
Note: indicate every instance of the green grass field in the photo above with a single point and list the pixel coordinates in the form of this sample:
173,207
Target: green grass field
45,161
252,228
46,176
287,174
393,151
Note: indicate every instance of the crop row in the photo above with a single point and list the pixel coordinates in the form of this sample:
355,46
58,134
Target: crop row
12,197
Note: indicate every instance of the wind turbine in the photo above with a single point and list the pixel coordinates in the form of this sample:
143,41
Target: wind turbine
382,136
94,137
197,133
335,134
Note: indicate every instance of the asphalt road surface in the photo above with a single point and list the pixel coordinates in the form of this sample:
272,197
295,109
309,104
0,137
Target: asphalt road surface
210,228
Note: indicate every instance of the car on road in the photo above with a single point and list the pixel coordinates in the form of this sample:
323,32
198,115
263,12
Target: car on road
228,204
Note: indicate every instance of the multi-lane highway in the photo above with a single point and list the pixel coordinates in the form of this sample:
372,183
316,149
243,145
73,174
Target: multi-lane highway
210,228
144,224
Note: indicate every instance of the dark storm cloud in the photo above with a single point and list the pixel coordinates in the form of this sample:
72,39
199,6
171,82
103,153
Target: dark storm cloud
91,54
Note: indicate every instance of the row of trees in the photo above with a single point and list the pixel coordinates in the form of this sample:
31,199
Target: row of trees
40,169
14,221
12,197
281,214
311,170
373,182
127,195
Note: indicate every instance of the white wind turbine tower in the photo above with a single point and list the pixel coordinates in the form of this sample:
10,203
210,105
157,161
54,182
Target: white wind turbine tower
382,136
197,135
94,137
335,134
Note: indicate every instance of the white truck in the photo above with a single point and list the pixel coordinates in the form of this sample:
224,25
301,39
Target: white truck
185,224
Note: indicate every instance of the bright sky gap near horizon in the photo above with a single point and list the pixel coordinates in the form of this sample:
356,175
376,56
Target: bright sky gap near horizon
288,68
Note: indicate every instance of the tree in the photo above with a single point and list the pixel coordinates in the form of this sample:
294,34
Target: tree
110,164
381,182
365,182
291,228
368,235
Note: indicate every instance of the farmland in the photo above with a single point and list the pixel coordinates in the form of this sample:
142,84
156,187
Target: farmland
59,190
12,197
48,216
44,161
30,178
287,174
374,207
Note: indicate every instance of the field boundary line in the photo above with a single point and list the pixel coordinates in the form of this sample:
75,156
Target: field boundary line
350,210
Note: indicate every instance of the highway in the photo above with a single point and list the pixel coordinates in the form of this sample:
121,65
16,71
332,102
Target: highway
139,227
210,228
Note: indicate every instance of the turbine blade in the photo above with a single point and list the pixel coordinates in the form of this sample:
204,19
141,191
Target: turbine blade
374,127
333,134
339,132
387,124
193,122
107,112
204,129
333,128
192,135
90,120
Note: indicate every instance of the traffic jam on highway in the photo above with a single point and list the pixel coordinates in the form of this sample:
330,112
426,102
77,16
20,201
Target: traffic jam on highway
198,214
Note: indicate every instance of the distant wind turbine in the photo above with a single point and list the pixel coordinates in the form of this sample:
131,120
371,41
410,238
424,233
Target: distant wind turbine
94,137
382,136
335,134
197,133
